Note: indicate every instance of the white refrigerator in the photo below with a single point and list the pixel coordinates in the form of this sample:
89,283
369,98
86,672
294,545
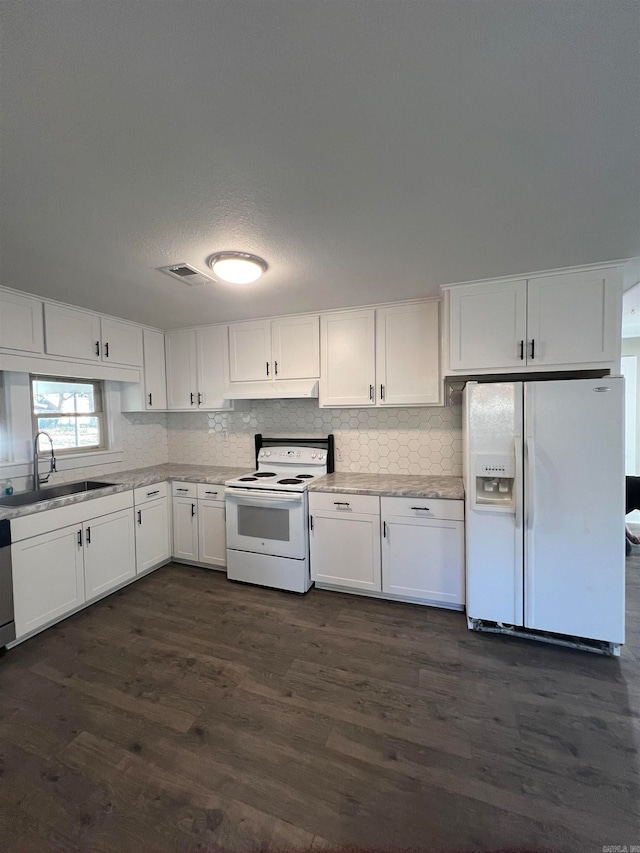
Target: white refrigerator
543,468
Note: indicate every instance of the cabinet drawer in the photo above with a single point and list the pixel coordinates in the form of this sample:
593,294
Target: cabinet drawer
54,519
150,493
423,508
209,492
363,504
184,490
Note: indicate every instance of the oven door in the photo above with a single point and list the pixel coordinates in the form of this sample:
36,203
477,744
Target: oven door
267,522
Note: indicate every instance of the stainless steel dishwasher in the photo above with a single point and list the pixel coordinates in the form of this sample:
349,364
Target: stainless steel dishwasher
7,625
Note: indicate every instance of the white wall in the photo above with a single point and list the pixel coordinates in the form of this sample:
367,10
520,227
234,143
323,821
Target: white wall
395,441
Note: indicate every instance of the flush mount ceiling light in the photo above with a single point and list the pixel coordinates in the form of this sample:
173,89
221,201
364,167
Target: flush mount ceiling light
236,267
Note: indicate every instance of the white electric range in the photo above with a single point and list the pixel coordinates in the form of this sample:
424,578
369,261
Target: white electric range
267,513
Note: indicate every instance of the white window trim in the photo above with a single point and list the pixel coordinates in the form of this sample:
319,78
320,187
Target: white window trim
19,431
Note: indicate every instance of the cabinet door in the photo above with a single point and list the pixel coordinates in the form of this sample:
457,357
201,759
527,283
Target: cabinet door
185,529
72,333
573,318
153,534
182,391
121,342
21,325
296,347
347,376
155,375
48,577
250,351
424,559
109,552
408,355
345,551
487,325
210,344
212,535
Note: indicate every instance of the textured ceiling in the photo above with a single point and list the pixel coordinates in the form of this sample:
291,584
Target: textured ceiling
369,150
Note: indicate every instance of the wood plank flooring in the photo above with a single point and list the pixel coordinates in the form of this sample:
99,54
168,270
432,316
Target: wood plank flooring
188,713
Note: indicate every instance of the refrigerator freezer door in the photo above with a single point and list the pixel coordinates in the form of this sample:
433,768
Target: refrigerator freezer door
492,424
574,508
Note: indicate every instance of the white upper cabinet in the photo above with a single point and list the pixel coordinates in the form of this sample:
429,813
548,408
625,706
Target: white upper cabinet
568,320
181,369
72,333
347,376
573,318
250,351
21,325
268,350
195,368
408,355
296,347
384,357
210,351
155,375
488,325
121,342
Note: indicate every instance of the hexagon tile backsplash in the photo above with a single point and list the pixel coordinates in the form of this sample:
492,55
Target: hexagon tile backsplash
393,441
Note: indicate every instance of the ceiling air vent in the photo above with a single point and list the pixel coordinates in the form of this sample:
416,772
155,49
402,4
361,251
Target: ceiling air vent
187,274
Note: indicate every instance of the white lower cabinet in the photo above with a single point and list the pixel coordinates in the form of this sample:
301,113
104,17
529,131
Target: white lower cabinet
199,524
59,568
109,552
153,527
48,577
404,548
423,554
344,540
185,529
212,534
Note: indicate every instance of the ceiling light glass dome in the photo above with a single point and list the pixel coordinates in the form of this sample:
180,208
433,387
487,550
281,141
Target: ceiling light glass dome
236,267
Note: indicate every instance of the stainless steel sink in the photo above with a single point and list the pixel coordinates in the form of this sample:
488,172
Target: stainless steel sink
26,498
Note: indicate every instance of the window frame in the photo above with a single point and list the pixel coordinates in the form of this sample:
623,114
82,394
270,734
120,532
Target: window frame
99,396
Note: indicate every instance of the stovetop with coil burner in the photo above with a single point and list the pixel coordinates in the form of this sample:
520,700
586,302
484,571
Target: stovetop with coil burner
286,466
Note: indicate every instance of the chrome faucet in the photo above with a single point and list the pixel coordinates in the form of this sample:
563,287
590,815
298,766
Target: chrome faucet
37,479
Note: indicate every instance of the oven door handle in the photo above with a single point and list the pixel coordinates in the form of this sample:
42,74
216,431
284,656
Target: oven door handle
264,497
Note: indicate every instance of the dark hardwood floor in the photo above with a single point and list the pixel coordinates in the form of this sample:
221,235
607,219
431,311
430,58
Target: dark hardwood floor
189,713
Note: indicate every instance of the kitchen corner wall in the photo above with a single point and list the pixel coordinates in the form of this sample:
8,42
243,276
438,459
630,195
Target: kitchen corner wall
143,441
393,441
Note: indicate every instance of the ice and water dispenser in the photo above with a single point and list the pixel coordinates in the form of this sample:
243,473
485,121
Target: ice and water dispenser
495,478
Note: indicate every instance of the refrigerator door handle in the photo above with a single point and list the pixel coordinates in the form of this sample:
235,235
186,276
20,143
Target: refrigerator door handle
530,454
517,485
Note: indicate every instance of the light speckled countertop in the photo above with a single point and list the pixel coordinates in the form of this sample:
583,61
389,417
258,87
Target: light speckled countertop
125,480
392,485
398,485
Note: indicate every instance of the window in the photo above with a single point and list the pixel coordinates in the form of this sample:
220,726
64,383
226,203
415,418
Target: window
71,411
